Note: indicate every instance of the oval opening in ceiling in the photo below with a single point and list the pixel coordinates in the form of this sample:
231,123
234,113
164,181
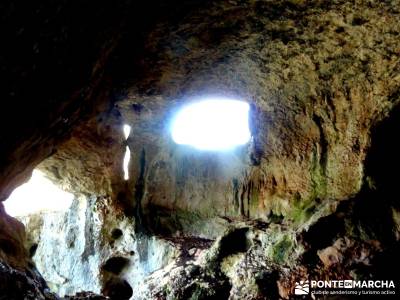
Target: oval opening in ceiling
212,124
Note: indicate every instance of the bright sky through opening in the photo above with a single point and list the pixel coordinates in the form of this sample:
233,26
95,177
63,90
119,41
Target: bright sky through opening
212,124
127,131
39,194
127,156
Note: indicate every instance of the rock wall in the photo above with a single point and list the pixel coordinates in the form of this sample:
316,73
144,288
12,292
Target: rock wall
63,64
93,248
318,75
63,248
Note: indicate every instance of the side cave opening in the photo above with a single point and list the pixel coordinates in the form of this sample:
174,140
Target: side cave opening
362,236
43,194
378,210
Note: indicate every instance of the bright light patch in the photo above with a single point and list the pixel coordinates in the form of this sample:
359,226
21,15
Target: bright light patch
127,131
39,194
213,124
127,158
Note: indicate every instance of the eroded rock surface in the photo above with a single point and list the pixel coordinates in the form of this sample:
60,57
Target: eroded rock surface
319,76
84,249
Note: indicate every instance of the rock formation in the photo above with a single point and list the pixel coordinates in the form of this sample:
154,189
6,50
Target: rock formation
312,195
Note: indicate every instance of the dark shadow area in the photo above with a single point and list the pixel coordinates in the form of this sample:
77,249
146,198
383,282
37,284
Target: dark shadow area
234,242
7,246
116,233
266,283
32,249
115,264
117,289
369,218
16,284
321,235
379,201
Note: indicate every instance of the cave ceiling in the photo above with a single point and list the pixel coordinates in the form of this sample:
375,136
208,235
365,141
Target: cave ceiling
318,76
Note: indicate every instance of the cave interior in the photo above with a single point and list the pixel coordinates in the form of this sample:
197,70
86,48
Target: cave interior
298,181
